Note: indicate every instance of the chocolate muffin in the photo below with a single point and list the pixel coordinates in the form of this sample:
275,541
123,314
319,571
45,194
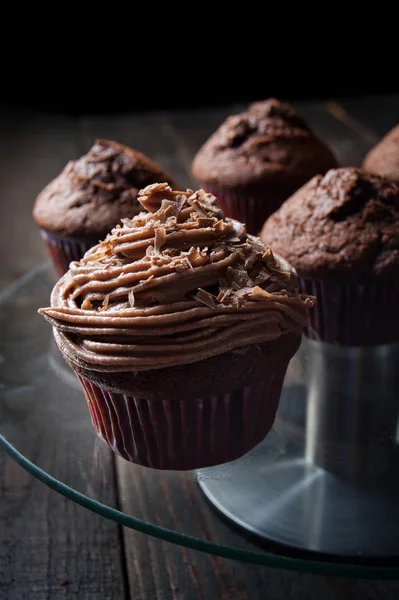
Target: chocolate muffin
383,159
180,327
80,206
341,233
258,158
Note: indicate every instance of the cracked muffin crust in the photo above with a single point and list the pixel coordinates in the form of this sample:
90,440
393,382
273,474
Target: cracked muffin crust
258,158
94,192
269,144
344,224
341,233
79,207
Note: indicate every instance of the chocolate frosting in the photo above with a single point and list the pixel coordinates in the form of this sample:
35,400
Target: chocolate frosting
269,145
344,225
383,159
174,285
94,192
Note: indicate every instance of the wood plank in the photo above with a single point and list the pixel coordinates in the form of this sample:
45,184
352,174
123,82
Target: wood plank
49,546
377,114
348,141
169,572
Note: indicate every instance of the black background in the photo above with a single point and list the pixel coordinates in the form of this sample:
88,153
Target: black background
107,93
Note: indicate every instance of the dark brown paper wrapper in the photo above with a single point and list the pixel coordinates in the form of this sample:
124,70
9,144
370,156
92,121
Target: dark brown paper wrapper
353,314
185,435
251,210
63,250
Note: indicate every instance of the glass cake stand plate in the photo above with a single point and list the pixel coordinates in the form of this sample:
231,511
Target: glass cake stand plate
320,494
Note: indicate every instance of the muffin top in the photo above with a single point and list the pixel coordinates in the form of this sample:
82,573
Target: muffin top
344,225
174,285
94,192
268,145
383,159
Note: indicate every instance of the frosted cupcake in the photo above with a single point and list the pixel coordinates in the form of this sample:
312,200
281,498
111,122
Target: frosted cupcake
180,327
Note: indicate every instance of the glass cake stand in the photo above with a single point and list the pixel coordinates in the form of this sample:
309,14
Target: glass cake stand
320,494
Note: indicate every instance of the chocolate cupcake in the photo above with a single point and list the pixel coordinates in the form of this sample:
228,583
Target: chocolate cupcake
257,159
383,159
180,328
80,206
341,233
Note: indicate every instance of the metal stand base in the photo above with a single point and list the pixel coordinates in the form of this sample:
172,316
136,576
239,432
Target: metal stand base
327,478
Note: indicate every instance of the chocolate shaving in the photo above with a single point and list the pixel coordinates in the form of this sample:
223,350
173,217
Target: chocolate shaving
262,277
86,304
239,278
197,206
187,260
152,196
259,294
105,303
268,255
205,298
181,202
131,298
160,239
220,226
249,263
206,222
222,295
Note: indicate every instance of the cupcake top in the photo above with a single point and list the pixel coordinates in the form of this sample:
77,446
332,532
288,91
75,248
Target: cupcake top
269,144
344,225
174,285
94,192
383,159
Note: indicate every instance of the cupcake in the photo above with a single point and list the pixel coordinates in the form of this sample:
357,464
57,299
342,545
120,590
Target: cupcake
80,206
383,159
341,233
257,159
180,328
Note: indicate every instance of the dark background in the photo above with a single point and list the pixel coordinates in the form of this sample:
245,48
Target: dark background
107,93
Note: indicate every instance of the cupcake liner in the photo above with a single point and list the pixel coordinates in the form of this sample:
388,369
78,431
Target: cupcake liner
185,434
251,210
353,315
63,250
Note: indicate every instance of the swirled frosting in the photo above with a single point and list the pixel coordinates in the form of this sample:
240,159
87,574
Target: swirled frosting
173,285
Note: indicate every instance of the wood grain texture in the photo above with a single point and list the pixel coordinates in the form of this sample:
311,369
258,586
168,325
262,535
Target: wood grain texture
49,546
377,114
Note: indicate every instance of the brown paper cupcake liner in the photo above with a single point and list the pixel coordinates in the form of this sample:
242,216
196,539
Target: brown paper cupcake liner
63,250
353,315
189,434
251,210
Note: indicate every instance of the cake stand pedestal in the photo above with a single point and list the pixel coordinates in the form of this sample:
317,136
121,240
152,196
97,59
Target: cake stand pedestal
327,479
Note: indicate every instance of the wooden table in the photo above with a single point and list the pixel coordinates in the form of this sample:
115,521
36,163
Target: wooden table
50,548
